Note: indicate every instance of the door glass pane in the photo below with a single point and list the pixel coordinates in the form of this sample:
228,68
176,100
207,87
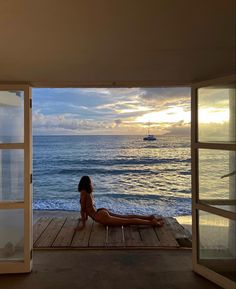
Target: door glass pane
12,235
11,116
217,244
217,114
11,175
217,178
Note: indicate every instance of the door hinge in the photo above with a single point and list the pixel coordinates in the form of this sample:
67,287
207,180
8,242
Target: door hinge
30,102
31,178
31,254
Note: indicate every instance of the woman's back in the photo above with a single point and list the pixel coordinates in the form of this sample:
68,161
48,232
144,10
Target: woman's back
87,204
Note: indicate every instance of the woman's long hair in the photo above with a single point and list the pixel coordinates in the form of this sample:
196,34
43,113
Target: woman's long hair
85,184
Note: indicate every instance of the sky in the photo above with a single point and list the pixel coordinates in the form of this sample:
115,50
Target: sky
120,111
111,111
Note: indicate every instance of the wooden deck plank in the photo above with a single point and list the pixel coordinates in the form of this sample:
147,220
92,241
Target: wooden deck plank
59,232
132,236
165,237
97,236
66,233
178,230
50,233
115,237
149,236
81,238
40,226
182,235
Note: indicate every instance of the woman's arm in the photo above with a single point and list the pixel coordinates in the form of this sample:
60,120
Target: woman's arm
83,212
84,216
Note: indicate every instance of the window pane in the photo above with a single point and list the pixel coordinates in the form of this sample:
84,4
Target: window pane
12,235
217,114
217,244
11,116
11,175
217,178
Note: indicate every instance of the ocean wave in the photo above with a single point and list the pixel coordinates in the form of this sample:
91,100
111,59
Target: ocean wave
122,206
133,196
117,161
185,173
111,171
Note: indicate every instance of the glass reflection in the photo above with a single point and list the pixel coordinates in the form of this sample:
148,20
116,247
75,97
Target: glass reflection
12,235
217,244
11,175
217,178
217,114
11,116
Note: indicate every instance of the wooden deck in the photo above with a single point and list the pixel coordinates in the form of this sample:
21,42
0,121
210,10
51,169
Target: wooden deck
58,232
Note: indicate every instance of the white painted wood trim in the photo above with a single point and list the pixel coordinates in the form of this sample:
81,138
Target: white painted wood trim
214,277
13,86
216,211
215,146
14,267
196,204
27,180
26,265
12,205
13,146
194,174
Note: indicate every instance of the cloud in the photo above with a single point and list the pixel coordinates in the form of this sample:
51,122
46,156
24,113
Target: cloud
180,131
66,122
106,110
168,96
117,122
180,128
70,124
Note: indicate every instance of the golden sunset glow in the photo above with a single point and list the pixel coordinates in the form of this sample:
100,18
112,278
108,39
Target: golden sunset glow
113,111
135,109
170,115
211,115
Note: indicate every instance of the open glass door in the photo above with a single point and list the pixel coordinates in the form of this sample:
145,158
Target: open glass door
214,180
15,179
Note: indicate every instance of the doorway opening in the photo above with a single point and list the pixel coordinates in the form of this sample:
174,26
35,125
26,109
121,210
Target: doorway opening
101,132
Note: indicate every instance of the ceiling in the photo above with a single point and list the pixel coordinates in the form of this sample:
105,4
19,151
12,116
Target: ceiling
116,42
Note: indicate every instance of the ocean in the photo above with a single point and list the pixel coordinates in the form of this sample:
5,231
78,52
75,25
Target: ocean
129,175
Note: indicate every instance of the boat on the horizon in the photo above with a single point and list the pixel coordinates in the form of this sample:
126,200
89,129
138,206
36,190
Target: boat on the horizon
150,137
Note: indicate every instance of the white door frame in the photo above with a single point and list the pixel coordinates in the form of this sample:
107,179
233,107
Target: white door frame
26,204
26,266
196,205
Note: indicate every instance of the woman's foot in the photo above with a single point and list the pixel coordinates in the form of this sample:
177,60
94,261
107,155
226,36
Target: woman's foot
157,223
152,217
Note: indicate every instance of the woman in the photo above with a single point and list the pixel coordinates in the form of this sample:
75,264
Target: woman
102,215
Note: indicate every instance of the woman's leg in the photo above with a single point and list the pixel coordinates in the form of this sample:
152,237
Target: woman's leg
131,216
150,217
105,218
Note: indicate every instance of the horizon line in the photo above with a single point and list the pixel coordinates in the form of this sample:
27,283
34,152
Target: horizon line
107,135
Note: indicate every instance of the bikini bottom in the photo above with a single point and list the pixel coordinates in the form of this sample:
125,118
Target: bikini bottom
100,209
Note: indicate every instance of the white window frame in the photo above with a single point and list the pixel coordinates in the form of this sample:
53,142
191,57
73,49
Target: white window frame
26,204
196,205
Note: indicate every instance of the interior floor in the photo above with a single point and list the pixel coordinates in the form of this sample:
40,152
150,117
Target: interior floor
126,269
